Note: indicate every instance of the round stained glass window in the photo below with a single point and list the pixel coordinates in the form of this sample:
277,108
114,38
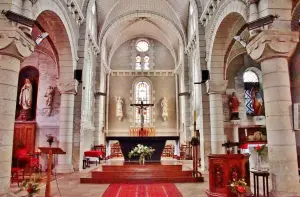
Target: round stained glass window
142,46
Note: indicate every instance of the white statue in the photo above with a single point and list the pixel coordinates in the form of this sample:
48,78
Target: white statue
25,98
164,105
49,99
119,111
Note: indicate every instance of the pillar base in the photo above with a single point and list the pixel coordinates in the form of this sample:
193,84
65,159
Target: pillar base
64,168
284,194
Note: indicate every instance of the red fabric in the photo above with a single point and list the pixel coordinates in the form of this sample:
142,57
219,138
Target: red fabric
142,190
93,153
22,154
244,146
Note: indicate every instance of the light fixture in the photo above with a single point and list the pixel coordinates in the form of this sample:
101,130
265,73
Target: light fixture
41,37
241,40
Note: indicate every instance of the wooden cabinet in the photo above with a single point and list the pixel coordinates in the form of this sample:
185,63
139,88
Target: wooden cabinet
223,169
24,133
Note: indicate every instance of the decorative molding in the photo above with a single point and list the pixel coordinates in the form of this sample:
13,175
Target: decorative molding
14,40
67,87
272,44
105,67
191,45
93,44
208,11
154,73
74,8
216,87
33,2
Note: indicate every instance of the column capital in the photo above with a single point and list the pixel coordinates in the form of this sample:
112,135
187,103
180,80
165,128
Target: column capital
67,87
15,39
272,44
216,86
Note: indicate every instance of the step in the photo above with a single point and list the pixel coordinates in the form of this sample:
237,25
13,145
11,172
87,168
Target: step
141,168
145,180
138,174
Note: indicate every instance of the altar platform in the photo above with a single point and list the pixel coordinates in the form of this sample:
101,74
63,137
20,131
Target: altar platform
132,172
127,143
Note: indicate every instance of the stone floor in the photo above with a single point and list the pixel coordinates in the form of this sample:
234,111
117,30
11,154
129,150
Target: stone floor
68,185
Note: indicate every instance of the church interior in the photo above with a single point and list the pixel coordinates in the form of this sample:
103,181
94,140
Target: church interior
151,98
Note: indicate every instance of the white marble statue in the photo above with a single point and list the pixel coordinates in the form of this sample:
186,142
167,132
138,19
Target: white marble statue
119,111
164,106
25,98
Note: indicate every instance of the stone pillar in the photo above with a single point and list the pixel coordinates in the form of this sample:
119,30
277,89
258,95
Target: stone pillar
235,124
215,89
14,47
273,48
67,89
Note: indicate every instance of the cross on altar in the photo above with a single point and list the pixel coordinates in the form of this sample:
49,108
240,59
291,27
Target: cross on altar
142,107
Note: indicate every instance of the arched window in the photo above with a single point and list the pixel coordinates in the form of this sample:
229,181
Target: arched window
142,89
253,94
146,62
138,65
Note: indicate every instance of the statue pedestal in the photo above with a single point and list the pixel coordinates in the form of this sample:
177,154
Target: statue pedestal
24,114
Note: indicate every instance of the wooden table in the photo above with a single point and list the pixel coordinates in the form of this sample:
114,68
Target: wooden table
265,176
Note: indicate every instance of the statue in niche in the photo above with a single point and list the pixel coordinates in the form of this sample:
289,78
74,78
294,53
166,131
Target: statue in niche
25,100
234,106
257,102
119,111
49,99
164,106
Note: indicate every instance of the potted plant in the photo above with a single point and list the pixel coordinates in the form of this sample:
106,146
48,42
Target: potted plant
141,151
240,188
50,139
31,185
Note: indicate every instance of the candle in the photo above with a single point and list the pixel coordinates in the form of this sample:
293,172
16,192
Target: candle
246,134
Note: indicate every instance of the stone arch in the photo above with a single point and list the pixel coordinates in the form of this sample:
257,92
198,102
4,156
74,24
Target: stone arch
229,14
51,15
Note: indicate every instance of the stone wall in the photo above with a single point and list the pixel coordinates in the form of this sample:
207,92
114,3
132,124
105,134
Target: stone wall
45,124
122,86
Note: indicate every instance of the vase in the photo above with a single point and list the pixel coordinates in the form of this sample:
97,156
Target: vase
258,162
142,160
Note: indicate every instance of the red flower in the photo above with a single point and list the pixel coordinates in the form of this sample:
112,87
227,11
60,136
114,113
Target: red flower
240,189
29,189
258,147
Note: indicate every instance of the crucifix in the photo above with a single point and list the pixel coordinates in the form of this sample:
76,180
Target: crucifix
142,107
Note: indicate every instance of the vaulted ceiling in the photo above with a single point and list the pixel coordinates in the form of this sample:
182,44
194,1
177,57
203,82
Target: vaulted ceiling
163,20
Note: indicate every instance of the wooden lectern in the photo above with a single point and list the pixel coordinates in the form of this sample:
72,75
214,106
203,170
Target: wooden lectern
50,151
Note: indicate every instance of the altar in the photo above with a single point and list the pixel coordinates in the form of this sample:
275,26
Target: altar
156,142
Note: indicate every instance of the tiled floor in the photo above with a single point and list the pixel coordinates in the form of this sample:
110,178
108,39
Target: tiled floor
68,185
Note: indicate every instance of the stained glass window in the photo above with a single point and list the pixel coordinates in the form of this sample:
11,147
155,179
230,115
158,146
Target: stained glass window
250,76
142,93
142,46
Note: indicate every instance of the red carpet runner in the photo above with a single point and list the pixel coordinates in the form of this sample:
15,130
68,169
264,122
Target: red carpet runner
142,190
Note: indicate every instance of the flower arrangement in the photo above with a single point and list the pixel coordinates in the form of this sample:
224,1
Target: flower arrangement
141,151
261,150
240,187
32,185
50,139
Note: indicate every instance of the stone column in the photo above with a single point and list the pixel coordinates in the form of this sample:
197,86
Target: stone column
67,89
235,124
215,89
14,47
272,49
